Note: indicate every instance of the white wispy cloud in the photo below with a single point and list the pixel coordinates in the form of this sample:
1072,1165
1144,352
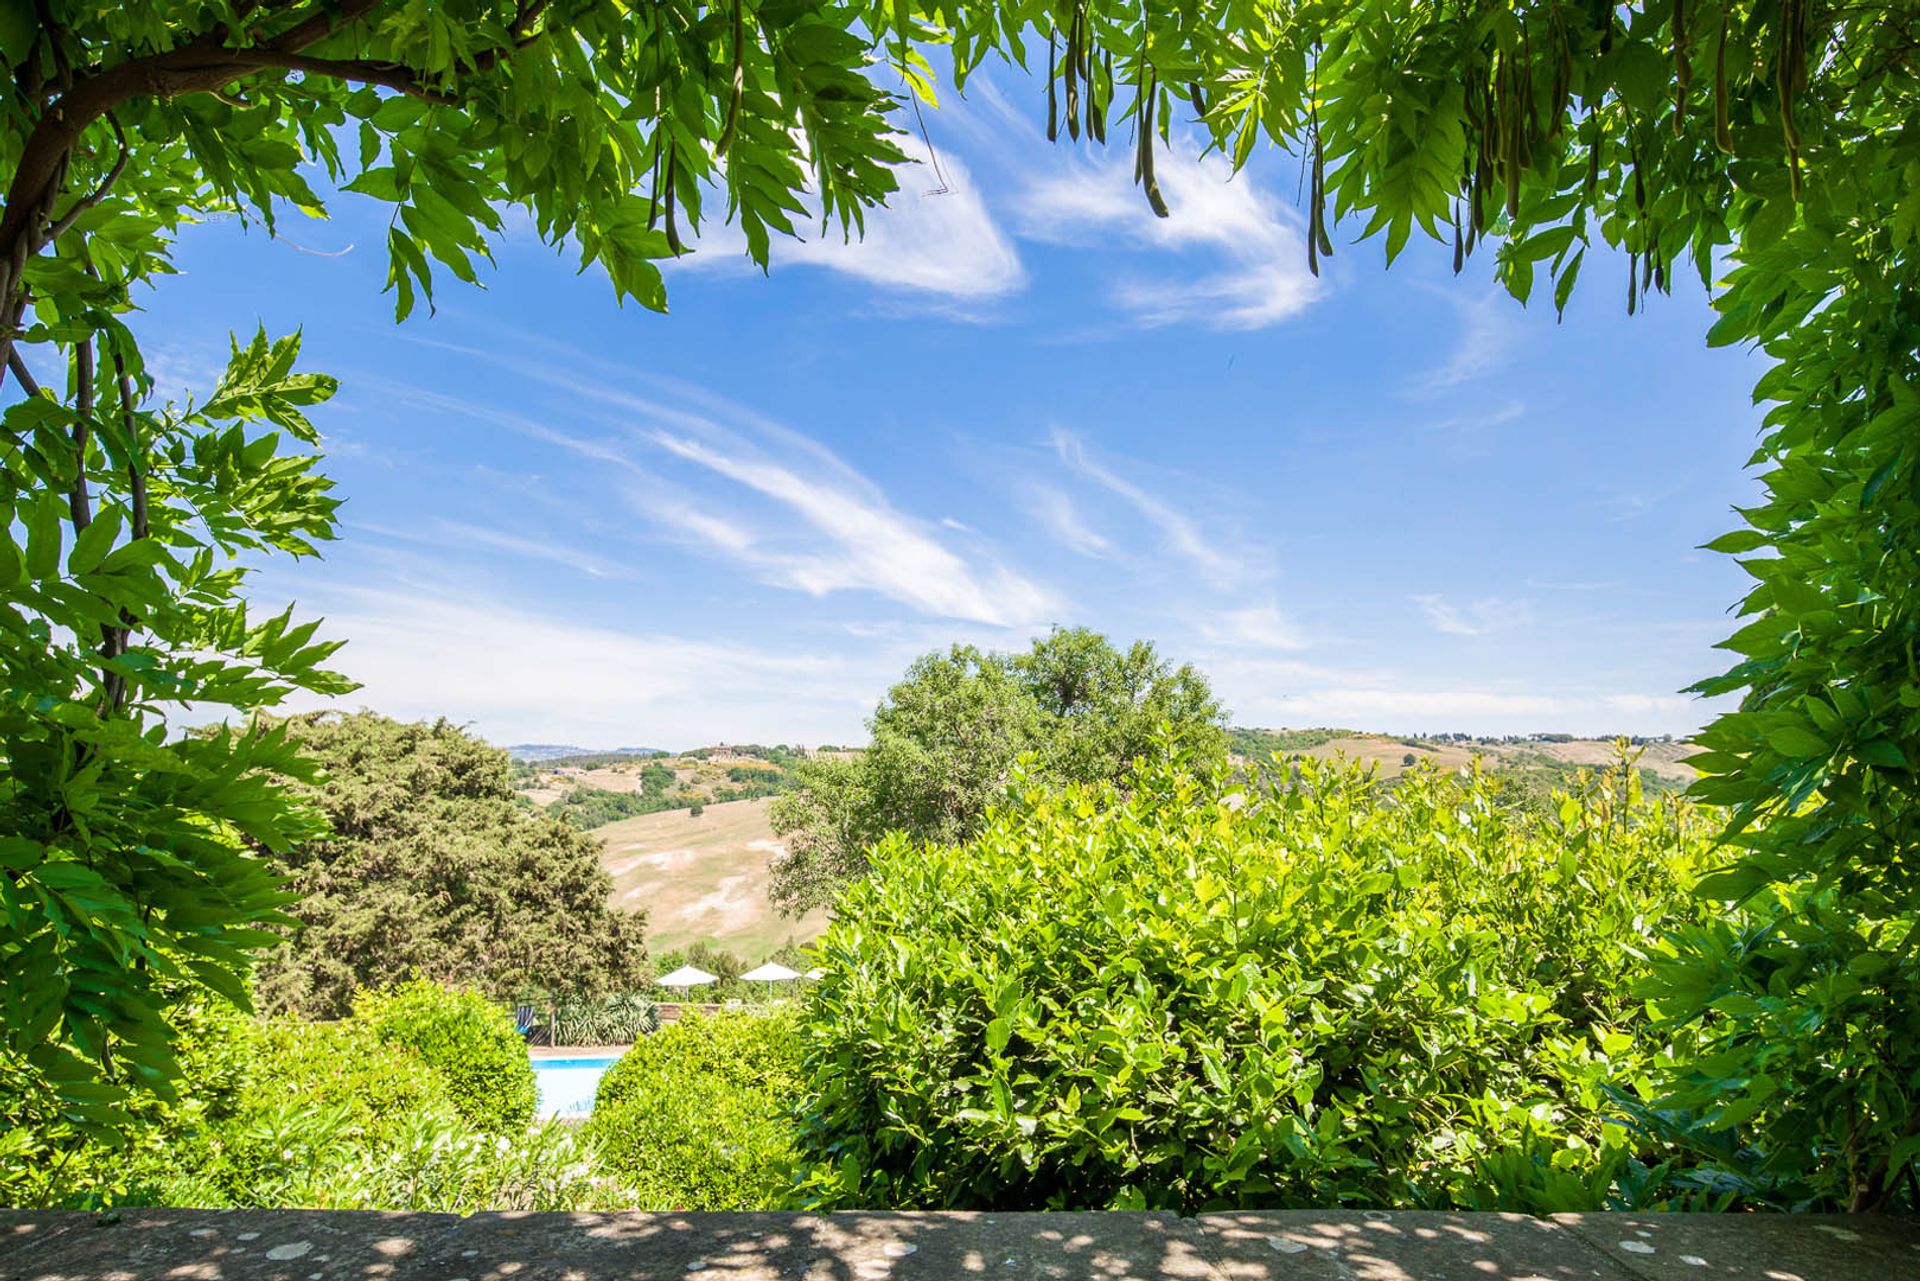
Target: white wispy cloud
463,536
1475,618
928,239
1485,335
532,548
853,538
1056,513
1180,532
522,675
823,526
1481,419
1256,627
1259,272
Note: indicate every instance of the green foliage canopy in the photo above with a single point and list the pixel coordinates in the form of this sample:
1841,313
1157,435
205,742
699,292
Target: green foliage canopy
130,861
431,868
947,736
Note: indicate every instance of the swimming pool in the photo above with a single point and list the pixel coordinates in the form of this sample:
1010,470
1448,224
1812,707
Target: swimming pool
567,1085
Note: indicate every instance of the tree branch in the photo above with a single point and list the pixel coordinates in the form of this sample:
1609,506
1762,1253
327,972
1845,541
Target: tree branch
388,75
137,492
204,64
65,223
21,373
79,502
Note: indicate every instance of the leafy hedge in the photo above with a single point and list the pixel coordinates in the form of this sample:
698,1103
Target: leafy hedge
468,1040
698,1115
1193,993
288,1113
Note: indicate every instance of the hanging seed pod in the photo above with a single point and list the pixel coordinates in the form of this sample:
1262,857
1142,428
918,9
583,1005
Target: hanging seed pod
739,78
1513,181
1459,245
1147,180
1789,74
1660,274
1562,75
1593,162
1086,50
1722,122
1199,103
653,184
1053,93
1104,100
1529,109
1682,69
1320,196
1646,267
1633,281
1072,66
1482,177
1087,80
673,232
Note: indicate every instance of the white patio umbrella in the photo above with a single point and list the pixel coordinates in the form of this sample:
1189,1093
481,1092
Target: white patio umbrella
686,976
814,975
770,973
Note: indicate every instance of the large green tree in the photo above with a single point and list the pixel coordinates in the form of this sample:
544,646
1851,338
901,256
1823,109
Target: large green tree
431,867
948,736
1774,139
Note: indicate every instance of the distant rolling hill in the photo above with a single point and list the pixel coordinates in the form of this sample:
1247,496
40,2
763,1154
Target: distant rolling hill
703,878
1664,762
543,751
540,753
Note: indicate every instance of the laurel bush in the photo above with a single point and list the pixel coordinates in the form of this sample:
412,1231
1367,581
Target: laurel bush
1197,991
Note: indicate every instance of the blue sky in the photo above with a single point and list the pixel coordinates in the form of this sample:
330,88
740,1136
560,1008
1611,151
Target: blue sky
1388,500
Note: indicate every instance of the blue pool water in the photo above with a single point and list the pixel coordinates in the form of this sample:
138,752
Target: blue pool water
567,1085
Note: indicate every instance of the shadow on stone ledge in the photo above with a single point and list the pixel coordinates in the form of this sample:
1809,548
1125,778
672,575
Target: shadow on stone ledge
313,1245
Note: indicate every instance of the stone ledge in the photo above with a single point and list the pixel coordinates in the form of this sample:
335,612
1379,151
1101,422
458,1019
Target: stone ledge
1300,1245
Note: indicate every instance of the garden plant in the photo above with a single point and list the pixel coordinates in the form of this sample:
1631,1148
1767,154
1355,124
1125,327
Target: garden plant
1767,146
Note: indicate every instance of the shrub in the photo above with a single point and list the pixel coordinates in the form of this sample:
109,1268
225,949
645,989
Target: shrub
345,1065
615,1020
468,1040
1307,990
296,1114
698,1115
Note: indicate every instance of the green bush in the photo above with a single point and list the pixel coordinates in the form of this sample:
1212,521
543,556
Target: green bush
296,1114
698,1115
345,1065
1305,990
468,1040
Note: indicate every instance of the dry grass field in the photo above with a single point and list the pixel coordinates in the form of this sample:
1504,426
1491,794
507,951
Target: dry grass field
702,878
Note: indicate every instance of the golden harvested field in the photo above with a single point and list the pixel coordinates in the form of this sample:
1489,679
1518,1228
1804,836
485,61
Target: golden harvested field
1665,759
703,878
